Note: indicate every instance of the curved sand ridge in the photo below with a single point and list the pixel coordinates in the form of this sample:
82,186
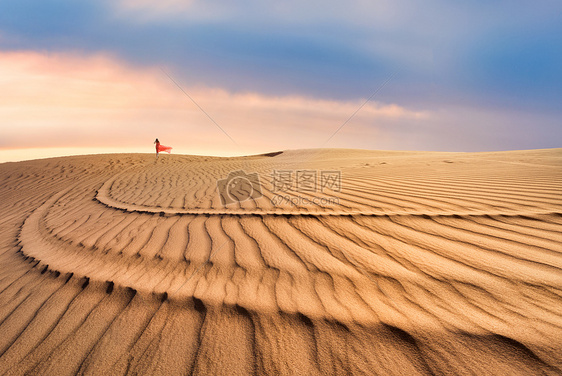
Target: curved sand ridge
427,263
392,190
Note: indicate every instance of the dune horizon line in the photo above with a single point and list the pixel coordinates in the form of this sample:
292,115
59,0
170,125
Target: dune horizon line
15,154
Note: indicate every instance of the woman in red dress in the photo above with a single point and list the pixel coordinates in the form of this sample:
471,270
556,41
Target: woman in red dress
159,148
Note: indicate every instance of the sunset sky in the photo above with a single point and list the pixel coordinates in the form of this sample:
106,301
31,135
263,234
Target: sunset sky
92,76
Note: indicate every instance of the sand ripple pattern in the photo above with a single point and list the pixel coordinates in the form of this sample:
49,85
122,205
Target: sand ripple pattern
423,263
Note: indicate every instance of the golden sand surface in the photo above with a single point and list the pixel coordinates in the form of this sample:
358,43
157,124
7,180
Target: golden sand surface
405,263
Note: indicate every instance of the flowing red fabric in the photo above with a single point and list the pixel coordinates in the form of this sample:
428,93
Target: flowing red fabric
167,149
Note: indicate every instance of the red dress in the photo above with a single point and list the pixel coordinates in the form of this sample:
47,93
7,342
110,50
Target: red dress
159,148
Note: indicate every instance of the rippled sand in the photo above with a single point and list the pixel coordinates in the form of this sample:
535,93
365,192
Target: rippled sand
417,263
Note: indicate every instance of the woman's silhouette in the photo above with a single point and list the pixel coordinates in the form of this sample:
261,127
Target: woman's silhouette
159,148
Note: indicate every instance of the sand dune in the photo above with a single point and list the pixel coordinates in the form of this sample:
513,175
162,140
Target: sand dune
414,263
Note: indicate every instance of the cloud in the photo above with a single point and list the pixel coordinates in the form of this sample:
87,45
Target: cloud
66,100
147,10
445,51
293,71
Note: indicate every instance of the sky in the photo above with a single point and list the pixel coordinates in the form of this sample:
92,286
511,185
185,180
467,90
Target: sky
219,77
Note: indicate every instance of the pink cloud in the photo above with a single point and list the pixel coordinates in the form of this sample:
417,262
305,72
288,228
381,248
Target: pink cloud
67,100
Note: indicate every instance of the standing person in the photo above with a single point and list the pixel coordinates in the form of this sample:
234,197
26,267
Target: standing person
159,148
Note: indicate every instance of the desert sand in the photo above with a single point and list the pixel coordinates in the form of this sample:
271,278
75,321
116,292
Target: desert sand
418,263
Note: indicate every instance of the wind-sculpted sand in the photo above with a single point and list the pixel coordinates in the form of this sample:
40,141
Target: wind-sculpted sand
408,263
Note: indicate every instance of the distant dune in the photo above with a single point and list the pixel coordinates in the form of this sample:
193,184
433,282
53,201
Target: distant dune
340,262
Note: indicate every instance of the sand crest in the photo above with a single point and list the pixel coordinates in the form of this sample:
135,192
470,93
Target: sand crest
392,263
